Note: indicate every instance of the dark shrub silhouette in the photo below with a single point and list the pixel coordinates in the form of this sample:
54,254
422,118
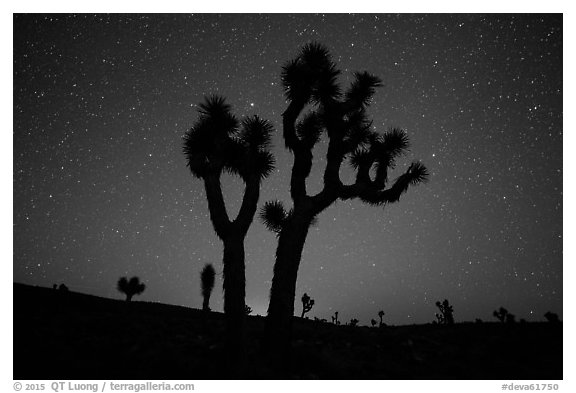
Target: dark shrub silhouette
478,320
63,288
335,318
218,143
247,310
307,304
446,316
130,287
381,315
373,322
551,317
510,318
354,322
502,315
207,280
310,82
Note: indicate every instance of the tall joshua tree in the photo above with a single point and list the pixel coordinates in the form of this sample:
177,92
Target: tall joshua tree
310,84
207,280
129,287
217,143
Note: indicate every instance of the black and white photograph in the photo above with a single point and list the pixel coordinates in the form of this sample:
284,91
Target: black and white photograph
288,196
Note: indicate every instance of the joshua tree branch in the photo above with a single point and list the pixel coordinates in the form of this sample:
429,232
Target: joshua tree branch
300,171
249,204
216,206
289,124
334,157
302,154
371,193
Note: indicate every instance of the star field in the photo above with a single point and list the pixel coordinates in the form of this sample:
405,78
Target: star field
101,188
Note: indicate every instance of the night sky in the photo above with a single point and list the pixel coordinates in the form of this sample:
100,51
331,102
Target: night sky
101,187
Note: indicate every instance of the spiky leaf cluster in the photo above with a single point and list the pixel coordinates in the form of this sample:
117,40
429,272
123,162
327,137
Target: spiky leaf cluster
216,142
273,215
311,76
252,142
362,89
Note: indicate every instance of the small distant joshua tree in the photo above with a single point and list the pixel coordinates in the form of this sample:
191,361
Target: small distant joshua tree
373,322
335,319
247,309
130,287
446,316
61,287
552,317
307,304
500,314
354,322
504,316
207,280
381,315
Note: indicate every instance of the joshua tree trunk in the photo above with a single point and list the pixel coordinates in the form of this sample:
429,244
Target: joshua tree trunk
206,303
128,297
281,308
234,301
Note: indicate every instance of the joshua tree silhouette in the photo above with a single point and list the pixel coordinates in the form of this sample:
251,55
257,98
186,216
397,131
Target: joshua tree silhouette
551,317
446,316
354,322
307,304
130,287
217,143
335,318
381,315
207,280
504,316
310,80
373,322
